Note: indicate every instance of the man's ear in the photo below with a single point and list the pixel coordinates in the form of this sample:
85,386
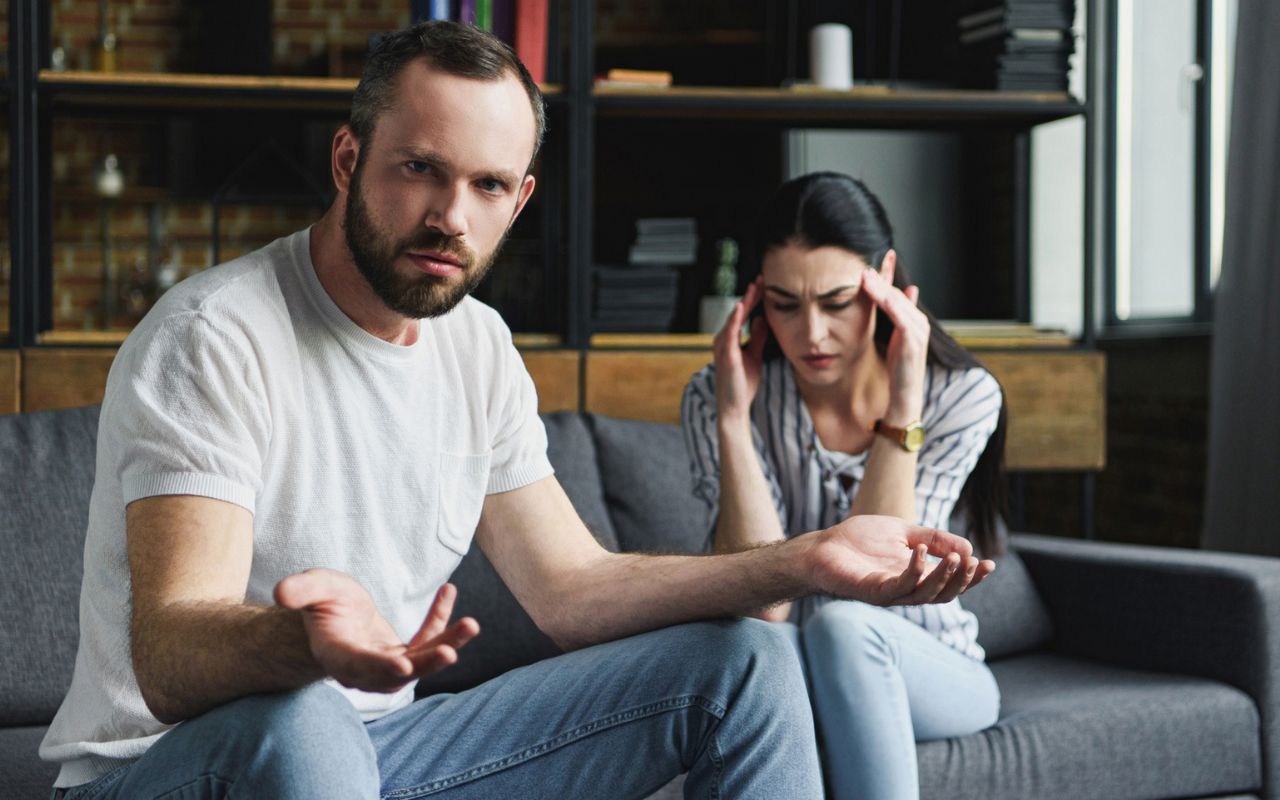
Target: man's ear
342,160
526,191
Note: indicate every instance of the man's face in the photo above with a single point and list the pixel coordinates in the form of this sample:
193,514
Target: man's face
434,193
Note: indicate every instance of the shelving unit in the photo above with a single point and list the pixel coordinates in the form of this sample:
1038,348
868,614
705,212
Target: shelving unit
570,166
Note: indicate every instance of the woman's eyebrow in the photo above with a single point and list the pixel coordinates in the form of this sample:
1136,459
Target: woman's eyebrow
823,296
836,291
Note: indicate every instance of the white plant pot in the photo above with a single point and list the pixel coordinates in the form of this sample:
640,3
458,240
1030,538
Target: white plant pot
713,312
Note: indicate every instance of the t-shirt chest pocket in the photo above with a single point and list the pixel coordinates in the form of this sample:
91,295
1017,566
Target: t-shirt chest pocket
461,481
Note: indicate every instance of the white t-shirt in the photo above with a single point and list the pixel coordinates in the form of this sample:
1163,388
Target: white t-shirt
248,384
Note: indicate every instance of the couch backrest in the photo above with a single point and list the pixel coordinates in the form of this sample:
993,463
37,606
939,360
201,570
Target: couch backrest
644,472
46,476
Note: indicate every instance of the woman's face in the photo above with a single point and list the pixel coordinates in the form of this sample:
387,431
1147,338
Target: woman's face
817,311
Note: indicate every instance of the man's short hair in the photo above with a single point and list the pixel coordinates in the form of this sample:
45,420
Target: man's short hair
450,47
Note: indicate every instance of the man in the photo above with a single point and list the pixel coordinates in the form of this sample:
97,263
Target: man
296,449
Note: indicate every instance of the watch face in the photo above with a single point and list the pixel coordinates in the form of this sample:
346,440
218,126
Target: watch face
914,437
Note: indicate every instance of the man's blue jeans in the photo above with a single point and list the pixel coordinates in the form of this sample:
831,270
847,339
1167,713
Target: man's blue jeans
724,701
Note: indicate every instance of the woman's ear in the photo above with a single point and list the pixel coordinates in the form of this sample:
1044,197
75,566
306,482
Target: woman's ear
889,265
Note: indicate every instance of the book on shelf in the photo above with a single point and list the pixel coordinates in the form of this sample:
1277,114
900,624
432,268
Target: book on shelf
638,321
666,226
660,276
503,20
1000,30
671,258
1014,14
484,15
671,241
421,10
531,23
634,78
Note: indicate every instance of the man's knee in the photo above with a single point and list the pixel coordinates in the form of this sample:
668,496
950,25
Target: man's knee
311,730
760,655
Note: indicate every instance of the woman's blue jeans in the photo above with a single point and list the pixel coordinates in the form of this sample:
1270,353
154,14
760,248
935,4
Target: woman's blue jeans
880,683
724,701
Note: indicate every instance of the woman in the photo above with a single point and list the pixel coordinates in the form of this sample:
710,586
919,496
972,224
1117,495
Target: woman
849,399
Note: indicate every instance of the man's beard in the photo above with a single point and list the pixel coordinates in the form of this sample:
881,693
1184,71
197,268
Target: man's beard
417,297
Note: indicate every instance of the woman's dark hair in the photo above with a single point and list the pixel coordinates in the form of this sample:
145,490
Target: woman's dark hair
452,48
828,209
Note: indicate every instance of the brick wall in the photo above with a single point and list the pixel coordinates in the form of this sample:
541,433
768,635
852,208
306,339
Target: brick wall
309,36
150,233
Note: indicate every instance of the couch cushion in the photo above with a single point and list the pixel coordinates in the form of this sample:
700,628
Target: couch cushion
26,777
573,454
1011,616
46,477
645,472
1070,729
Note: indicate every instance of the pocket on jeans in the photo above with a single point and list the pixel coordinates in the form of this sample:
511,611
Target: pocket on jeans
461,482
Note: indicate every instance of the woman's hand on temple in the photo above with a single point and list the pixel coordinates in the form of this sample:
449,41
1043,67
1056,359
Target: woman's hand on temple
909,344
738,368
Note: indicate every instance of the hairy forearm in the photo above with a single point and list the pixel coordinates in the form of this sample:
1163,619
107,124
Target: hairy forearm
622,594
190,657
747,517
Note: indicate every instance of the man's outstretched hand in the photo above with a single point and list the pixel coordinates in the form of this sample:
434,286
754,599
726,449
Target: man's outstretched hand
882,560
356,646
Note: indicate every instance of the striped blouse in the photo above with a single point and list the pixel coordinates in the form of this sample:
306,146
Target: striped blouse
961,409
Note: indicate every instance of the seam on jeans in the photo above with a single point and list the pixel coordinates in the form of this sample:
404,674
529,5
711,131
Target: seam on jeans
194,780
555,743
718,761
99,784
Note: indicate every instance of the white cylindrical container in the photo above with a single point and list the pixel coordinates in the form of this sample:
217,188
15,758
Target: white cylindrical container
831,56
714,311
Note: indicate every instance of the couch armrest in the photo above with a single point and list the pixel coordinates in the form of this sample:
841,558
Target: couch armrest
1192,612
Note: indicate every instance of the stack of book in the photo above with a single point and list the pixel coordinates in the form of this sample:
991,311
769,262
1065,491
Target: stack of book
640,299
668,242
1018,45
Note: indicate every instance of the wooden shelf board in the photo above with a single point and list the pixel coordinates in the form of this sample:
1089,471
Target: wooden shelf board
95,338
870,103
172,89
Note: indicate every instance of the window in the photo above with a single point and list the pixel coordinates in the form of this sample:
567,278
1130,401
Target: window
1170,107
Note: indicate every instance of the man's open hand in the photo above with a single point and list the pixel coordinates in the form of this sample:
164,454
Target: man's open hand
356,646
882,560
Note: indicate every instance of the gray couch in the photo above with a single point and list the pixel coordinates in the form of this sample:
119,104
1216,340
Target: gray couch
1126,672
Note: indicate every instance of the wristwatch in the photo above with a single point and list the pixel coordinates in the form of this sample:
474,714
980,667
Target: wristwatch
909,438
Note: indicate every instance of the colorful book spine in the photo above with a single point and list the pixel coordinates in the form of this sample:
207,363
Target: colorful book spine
504,20
440,9
467,12
531,36
484,15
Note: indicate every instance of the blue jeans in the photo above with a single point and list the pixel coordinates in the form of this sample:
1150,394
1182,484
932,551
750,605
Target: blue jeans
880,683
724,701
